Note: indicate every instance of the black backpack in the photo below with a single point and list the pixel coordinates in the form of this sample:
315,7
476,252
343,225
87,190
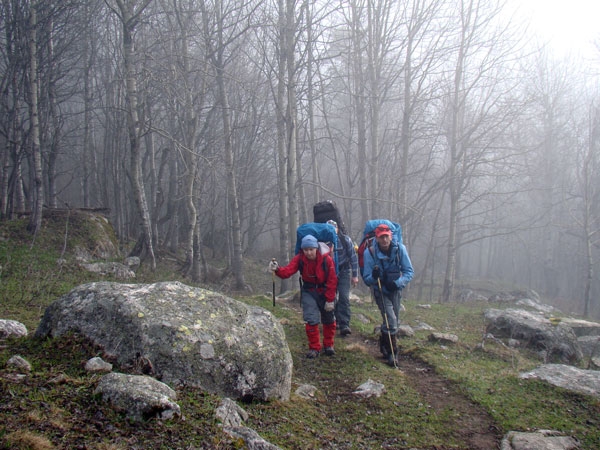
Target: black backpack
328,210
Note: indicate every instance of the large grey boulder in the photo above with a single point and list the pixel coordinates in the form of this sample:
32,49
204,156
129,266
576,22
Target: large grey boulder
183,335
567,377
556,342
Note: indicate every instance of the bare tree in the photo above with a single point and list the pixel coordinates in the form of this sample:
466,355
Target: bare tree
186,96
129,13
13,103
359,96
586,198
224,26
476,115
35,220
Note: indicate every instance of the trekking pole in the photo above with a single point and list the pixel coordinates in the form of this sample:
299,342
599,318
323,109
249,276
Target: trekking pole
387,324
273,275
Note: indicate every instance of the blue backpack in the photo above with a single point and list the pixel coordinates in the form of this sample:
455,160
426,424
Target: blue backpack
369,236
326,236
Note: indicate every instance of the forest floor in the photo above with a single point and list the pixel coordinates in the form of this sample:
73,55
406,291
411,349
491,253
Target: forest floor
472,424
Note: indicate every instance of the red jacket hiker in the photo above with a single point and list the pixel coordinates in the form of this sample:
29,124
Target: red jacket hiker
319,285
313,273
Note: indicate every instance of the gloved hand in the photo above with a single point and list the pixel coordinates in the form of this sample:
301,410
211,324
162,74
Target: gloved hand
329,306
391,286
376,274
273,265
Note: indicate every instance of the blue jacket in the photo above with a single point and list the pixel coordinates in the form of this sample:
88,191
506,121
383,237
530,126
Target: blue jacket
396,267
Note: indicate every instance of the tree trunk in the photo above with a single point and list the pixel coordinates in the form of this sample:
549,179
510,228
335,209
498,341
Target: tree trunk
234,211
314,167
373,65
51,135
361,115
291,118
129,20
589,187
237,261
87,104
35,220
284,234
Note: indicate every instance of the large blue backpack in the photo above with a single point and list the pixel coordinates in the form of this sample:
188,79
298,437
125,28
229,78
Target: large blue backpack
326,236
369,236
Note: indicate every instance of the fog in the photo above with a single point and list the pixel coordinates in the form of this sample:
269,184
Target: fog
209,129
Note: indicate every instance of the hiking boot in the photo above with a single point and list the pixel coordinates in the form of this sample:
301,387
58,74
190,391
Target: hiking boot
345,331
384,345
390,361
329,351
312,354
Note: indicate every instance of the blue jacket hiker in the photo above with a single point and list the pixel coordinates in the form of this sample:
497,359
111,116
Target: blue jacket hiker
387,270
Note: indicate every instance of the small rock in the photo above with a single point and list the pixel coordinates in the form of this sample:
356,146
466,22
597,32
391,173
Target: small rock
19,363
541,439
12,328
405,331
444,338
370,388
306,391
98,365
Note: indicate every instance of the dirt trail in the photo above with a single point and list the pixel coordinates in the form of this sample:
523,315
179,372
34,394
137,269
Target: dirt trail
473,424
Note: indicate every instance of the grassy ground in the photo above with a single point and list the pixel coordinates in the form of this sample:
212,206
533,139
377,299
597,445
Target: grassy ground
461,396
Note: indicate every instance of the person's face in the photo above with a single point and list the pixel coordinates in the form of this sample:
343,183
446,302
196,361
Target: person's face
310,253
384,242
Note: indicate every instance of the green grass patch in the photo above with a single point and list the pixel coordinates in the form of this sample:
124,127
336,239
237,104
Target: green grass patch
489,375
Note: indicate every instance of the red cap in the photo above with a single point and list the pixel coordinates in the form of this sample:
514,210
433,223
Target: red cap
383,229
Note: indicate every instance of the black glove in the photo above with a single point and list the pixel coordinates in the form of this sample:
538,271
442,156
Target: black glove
376,274
390,285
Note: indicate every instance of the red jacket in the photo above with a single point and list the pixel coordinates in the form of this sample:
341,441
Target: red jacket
312,272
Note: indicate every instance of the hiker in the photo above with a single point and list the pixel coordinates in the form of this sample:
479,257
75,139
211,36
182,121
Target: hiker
387,270
347,276
319,284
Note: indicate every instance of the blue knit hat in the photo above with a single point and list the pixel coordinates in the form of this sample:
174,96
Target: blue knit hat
309,241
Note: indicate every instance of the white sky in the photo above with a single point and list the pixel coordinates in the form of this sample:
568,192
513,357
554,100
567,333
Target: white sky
568,25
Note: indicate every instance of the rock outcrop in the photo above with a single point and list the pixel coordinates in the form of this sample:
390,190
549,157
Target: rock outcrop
180,334
567,377
556,342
